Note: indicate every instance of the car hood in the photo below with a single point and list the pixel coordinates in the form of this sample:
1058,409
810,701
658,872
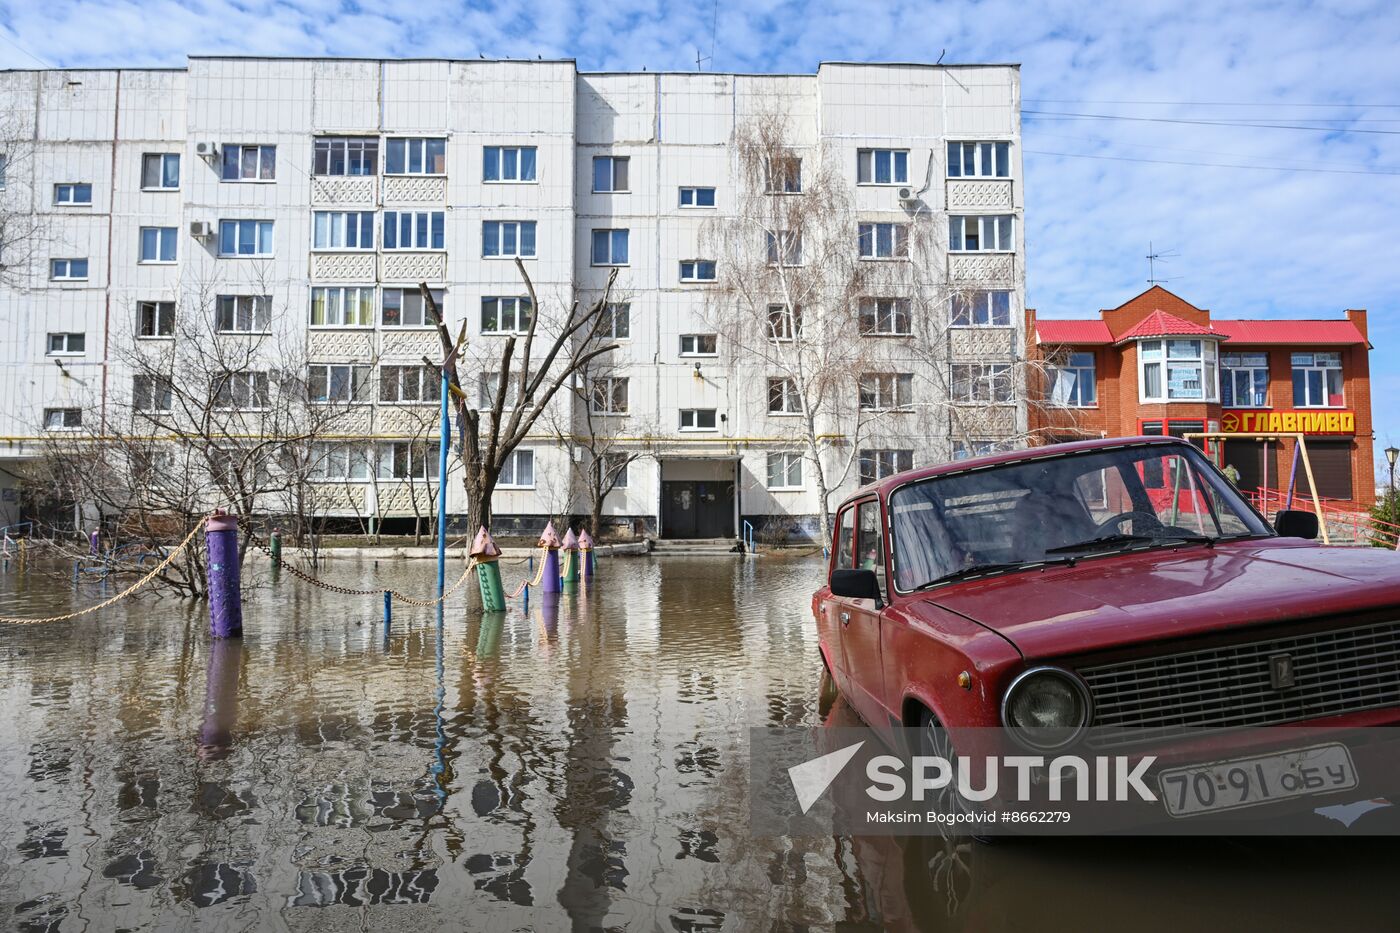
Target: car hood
1108,602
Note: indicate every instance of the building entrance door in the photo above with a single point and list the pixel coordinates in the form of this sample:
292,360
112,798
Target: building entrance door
697,509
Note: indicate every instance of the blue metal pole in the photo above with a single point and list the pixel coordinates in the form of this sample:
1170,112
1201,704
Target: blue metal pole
442,489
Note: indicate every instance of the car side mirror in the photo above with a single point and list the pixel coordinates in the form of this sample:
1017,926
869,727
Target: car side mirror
1295,523
856,584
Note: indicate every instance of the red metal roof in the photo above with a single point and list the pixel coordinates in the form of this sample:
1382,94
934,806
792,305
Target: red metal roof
1290,332
1073,332
1162,324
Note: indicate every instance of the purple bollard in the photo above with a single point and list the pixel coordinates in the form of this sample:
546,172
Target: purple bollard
220,699
94,542
549,539
225,595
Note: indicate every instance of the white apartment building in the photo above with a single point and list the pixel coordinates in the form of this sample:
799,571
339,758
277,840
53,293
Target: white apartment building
308,197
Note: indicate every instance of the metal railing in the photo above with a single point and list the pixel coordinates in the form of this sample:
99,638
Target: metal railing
748,536
1342,522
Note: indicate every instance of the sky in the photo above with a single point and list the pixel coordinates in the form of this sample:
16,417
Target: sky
1255,143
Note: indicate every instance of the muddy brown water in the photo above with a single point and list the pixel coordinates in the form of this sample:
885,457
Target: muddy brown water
582,766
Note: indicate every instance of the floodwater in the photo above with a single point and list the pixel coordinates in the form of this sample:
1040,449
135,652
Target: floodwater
582,766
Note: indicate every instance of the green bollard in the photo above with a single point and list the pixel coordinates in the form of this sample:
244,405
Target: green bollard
571,561
488,575
274,548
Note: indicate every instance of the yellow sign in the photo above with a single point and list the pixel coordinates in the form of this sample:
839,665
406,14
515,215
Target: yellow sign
1289,422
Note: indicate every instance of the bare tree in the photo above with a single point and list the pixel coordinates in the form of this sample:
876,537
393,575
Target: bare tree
24,231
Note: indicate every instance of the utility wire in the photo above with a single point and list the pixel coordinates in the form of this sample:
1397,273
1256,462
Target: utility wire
1268,126
15,45
1100,141
1199,103
1264,168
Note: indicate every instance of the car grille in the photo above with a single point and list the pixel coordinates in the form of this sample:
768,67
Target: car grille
1334,672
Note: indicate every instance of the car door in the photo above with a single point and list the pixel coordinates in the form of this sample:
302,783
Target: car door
860,621
829,613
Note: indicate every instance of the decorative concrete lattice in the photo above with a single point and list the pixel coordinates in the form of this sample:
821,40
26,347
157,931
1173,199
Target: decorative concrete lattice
983,270
410,345
408,420
983,421
334,346
979,195
414,267
409,190
395,496
338,498
342,191
981,343
342,267
356,421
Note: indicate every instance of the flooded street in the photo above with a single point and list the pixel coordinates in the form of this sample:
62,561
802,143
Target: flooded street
582,766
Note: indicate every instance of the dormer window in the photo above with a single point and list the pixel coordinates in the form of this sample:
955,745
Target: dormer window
1173,370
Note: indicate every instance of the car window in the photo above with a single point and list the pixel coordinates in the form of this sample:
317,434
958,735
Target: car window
871,542
846,540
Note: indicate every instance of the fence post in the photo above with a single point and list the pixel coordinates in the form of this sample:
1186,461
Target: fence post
488,574
570,548
585,551
549,540
225,596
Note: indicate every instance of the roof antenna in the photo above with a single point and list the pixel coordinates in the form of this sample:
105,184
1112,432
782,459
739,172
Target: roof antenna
940,57
1154,257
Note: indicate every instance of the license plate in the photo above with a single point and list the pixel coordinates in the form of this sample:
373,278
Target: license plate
1250,782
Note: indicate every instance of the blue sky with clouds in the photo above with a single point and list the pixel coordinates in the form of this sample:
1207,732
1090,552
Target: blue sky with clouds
1307,227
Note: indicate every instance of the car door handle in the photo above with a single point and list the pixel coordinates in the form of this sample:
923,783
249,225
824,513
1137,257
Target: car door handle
845,617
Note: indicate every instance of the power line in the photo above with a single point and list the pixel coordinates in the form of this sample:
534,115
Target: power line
1265,168
1267,126
1100,141
15,45
1199,103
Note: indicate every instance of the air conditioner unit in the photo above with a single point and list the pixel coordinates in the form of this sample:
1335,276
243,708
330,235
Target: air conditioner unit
201,229
208,150
906,195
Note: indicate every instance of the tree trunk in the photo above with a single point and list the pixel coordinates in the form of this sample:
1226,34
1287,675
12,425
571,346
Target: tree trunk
595,527
479,495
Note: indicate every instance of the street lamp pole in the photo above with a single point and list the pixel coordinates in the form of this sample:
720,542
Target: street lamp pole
1391,453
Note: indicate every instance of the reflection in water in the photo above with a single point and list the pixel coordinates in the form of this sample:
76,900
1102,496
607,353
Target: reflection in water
577,766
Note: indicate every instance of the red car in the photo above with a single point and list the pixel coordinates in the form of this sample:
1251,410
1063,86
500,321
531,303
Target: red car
1120,584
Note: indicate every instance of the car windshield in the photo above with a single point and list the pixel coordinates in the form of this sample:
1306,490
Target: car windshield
1058,508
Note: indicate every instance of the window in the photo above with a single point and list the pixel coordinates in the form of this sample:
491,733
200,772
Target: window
981,233
886,317
508,163
697,197
518,471
882,166
409,384
1072,380
406,460
505,315
965,450
249,163
157,244
784,246
870,541
486,390
64,195
979,160
416,157
68,270
240,390
884,241
507,238
342,306
67,344
345,155
404,307
413,230
785,175
982,309
160,171
982,382
340,461
699,345
609,395
615,469
1317,380
1189,366
785,470
337,382
845,541
698,419
886,391
783,398
877,463
609,247
245,238
243,314
784,323
343,230
610,173
616,321
697,270
151,394
63,419
1244,380
155,319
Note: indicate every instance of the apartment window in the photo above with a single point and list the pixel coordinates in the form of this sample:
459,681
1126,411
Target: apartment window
486,390
508,163
413,230
68,270
345,155
505,315
155,319
784,323
160,171
405,307
783,398
982,309
157,244
518,471
63,419
609,247
418,156
785,175
1317,380
1072,380
884,241
1188,366
698,419
1244,380
885,317
882,166
610,173
886,391
507,238
67,344
240,391
243,314
342,306
981,233
245,238
345,462
343,230
979,160
616,321
152,394
406,460
878,463
337,382
609,395
71,194
409,384
697,197
982,382
697,270
966,450
784,246
699,345
615,469
785,470
249,163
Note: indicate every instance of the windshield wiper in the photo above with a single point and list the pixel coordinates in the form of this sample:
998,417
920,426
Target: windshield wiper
978,570
1110,540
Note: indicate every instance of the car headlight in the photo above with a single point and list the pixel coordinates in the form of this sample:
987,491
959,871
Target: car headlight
1046,708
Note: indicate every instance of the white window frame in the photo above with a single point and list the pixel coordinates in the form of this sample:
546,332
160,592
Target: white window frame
784,247
340,462
414,147
985,157
784,323
420,459
403,293
511,469
253,385
694,418
156,316
263,233
65,338
486,390
1205,360
618,472
695,340
890,311
332,231
337,302
498,153
787,462
1234,365
612,312
782,168
422,239
71,188
1323,369
518,314
62,416
977,447
161,159
783,391
993,229
68,275
869,236
493,237
690,270
985,384
158,389
258,311
611,259
357,377
164,236
979,308
896,166
695,204
885,461
408,384
1071,364
264,160
885,391
361,151
612,162
612,392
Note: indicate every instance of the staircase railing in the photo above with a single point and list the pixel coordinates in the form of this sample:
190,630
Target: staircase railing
1340,521
748,536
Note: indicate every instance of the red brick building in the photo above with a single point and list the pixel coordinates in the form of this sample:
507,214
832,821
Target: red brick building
1158,364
